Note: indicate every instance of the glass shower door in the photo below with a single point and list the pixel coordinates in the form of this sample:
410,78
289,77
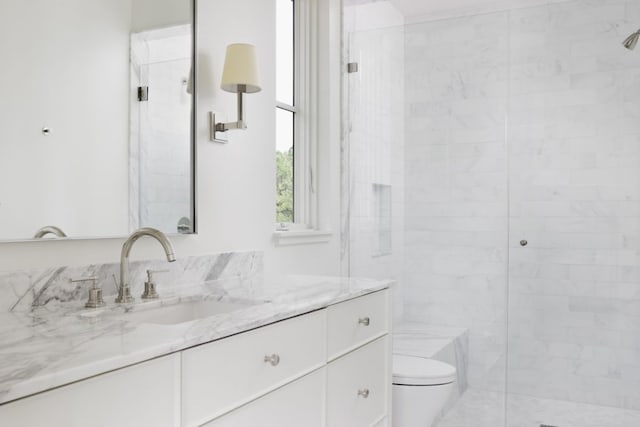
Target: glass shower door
425,155
574,259
374,143
456,201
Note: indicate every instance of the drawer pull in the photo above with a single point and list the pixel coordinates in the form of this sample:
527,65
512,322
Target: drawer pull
364,321
364,393
274,359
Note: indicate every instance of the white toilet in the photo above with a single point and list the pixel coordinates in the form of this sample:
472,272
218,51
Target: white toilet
421,388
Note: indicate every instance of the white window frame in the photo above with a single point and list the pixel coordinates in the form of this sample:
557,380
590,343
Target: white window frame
304,229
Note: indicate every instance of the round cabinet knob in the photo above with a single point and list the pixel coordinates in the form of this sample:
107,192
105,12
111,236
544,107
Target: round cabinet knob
274,359
363,393
523,243
364,321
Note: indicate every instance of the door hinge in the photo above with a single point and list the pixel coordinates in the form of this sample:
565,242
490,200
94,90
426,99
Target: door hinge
352,67
143,93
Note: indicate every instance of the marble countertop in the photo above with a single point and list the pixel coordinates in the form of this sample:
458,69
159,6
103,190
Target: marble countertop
53,346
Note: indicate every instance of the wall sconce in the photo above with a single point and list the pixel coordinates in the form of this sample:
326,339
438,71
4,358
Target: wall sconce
240,76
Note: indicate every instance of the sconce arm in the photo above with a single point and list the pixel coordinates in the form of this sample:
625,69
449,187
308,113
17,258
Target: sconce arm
223,127
240,124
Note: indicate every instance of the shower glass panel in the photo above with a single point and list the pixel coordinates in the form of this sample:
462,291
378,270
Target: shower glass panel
574,139
375,147
456,197
491,165
424,132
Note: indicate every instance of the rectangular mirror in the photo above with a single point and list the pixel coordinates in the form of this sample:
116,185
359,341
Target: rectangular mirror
96,113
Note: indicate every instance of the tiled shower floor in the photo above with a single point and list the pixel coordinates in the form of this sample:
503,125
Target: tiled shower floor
478,408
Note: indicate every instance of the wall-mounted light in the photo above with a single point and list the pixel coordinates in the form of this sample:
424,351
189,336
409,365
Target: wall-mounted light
240,76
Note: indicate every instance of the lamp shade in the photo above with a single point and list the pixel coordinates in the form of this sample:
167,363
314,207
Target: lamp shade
240,69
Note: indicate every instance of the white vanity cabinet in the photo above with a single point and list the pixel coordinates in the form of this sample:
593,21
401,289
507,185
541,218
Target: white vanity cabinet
327,368
141,395
350,386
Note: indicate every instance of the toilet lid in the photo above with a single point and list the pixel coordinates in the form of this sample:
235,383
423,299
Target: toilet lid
412,370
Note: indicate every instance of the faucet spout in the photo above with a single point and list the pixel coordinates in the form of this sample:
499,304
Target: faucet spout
124,290
49,229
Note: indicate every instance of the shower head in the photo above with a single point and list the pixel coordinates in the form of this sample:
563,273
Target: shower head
631,41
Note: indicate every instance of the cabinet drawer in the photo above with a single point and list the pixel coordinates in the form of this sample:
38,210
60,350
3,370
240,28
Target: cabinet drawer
225,374
358,386
355,322
300,403
147,394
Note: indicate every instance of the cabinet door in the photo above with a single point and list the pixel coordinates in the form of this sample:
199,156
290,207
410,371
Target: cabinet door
300,403
142,395
358,386
353,323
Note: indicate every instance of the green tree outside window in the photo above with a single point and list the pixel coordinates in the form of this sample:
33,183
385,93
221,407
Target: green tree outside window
284,186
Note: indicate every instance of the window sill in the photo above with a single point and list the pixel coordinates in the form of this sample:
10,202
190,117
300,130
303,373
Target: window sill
301,237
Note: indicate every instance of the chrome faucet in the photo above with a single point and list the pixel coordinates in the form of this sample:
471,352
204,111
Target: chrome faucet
124,291
49,229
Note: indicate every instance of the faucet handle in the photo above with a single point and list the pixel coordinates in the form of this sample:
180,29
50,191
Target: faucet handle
95,293
150,274
115,283
150,286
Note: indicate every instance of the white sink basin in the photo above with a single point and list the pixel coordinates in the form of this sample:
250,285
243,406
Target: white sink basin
168,312
182,312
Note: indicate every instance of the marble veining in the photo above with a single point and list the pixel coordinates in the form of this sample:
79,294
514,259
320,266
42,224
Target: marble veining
52,344
26,291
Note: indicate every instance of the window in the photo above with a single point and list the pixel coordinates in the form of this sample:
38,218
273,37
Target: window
297,123
286,114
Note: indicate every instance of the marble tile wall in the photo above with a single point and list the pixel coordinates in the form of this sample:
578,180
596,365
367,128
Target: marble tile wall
456,258
521,124
574,136
25,290
528,122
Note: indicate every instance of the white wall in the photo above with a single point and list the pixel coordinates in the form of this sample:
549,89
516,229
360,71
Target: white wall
152,14
235,182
